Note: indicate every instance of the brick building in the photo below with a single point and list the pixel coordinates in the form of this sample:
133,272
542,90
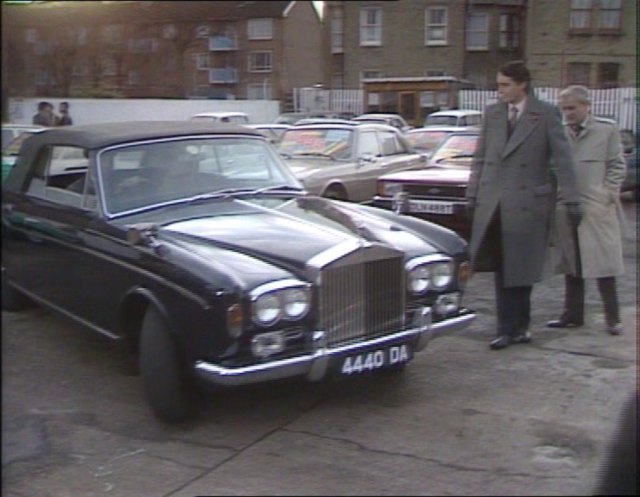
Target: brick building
207,49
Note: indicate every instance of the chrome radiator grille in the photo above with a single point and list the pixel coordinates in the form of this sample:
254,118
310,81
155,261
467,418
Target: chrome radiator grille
362,300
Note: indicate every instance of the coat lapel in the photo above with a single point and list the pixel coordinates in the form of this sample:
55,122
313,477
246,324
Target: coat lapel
529,120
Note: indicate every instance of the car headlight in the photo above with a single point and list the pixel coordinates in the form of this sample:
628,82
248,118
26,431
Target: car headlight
434,272
419,279
387,189
283,299
267,309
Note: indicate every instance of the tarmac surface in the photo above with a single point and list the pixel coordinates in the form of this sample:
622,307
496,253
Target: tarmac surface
532,419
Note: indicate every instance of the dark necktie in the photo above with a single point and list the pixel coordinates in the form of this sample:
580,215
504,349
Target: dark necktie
577,128
513,117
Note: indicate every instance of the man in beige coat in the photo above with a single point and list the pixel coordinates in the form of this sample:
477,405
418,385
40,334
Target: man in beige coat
600,171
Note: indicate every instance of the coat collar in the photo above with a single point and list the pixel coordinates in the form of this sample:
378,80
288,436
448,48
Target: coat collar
528,121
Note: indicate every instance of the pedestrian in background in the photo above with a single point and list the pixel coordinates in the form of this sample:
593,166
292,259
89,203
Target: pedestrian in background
511,195
594,250
63,119
45,115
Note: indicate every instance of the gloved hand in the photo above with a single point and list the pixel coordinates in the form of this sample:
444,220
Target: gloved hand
471,207
574,211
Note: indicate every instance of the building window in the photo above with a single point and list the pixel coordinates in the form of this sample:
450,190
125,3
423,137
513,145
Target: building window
336,30
371,27
609,15
368,75
142,45
608,75
435,29
169,31
259,91
260,62
223,75
202,31
202,61
578,73
589,15
113,34
478,31
509,31
260,29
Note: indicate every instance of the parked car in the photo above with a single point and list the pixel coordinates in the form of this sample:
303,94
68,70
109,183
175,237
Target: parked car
12,130
324,120
395,120
292,118
222,117
11,151
454,117
437,193
195,246
273,132
342,161
426,140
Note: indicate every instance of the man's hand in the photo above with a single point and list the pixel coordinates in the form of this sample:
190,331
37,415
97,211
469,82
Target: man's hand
574,211
471,207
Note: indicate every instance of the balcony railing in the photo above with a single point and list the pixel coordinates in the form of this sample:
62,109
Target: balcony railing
223,43
223,75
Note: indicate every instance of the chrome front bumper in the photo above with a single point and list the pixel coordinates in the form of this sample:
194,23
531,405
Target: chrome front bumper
315,365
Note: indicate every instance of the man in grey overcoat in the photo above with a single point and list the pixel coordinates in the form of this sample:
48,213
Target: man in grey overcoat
595,249
522,155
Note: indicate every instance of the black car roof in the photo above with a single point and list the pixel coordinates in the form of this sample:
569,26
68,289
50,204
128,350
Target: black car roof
94,136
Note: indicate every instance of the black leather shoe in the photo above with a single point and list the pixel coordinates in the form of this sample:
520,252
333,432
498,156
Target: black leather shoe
563,323
499,343
522,338
615,329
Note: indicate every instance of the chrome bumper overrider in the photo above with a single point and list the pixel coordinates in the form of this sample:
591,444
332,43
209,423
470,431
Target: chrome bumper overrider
315,365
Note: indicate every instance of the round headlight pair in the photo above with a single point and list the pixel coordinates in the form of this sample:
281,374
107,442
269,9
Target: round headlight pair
273,304
427,276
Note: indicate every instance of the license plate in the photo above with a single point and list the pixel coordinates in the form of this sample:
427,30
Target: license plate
431,207
375,359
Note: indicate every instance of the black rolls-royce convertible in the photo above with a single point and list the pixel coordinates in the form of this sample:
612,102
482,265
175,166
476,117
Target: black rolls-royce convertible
195,245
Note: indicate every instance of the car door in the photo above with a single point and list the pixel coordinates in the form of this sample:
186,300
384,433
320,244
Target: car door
396,154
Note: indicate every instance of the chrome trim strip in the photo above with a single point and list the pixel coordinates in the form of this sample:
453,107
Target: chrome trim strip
277,285
336,252
75,318
426,259
315,365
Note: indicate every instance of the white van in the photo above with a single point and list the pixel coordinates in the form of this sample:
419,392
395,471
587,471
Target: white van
222,117
460,118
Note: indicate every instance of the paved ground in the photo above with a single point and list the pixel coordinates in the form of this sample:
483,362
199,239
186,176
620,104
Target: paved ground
462,420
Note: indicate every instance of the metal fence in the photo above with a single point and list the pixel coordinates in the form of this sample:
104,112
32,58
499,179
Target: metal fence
619,104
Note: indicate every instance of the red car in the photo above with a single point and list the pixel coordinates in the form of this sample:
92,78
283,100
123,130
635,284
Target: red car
438,192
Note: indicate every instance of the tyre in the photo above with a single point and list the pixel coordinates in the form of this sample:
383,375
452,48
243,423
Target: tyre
335,192
12,298
169,389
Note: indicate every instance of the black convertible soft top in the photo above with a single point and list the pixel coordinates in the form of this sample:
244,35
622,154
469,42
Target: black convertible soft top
100,135
97,136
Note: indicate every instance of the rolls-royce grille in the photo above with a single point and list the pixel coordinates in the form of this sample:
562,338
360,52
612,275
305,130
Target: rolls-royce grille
361,301
436,191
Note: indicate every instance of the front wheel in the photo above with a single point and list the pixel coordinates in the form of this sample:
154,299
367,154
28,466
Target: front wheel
169,389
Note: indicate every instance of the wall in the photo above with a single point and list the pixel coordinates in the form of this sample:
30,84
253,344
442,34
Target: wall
96,110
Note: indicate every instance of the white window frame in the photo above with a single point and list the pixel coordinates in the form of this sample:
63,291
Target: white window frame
260,29
370,29
202,31
609,7
203,61
169,31
259,91
252,61
430,26
337,30
471,46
